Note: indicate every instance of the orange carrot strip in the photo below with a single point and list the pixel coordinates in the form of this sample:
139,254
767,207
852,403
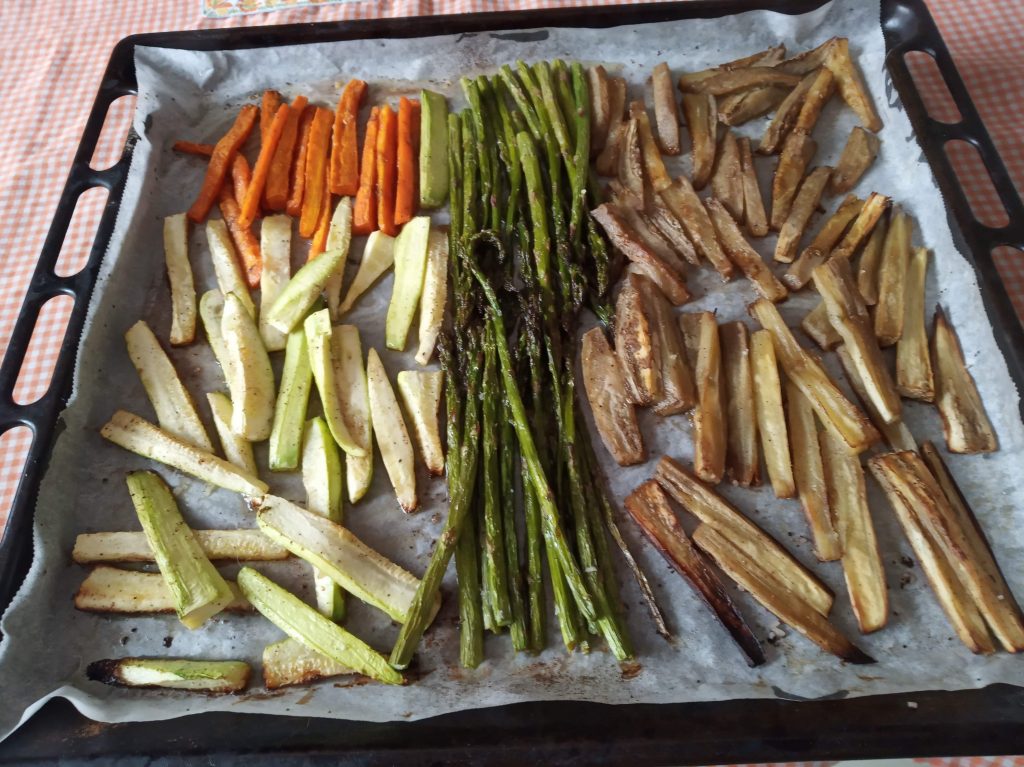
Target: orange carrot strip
275,192
268,109
387,160
220,160
408,127
298,185
251,201
241,176
345,140
317,149
246,244
319,243
364,213
191,147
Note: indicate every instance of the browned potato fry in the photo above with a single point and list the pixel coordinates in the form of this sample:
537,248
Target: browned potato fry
785,117
652,163
860,151
686,206
635,344
650,508
727,179
703,350
689,82
838,414
607,162
665,221
796,156
633,247
870,258
715,512
818,94
631,162
979,548
850,318
724,83
851,85
809,474
609,401
678,390
804,205
743,255
914,378
816,325
600,108
896,435
751,576
666,115
650,234
950,592
814,255
741,456
874,207
892,277
771,419
702,121
964,420
862,564
753,202
808,61
743,106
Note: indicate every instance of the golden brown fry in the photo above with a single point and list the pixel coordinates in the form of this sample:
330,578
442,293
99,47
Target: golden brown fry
816,325
600,107
678,390
914,377
609,402
892,275
607,162
860,151
724,83
666,115
874,207
950,592
715,512
743,106
862,564
741,456
809,474
808,61
751,576
743,255
838,414
818,94
964,420
727,180
686,206
753,202
804,205
796,155
771,419
870,258
700,334
850,318
635,344
652,162
814,255
896,435
702,121
650,508
785,116
851,85
631,162
666,223
650,234
690,82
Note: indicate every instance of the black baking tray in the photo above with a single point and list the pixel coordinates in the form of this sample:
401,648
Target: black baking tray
986,721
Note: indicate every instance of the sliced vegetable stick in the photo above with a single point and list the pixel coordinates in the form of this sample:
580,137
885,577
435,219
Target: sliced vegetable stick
364,215
408,130
179,277
741,456
671,229
350,383
785,116
600,107
739,108
247,247
817,96
236,449
317,149
814,255
220,162
743,255
851,85
804,205
290,662
869,216
433,150
682,200
771,418
657,176
322,480
631,166
753,202
344,171
636,344
269,106
391,434
276,249
241,177
666,114
817,325
896,435
606,394
808,61
211,311
860,151
291,404
690,82
132,592
870,258
193,148
304,289
387,160
268,146
702,121
421,394
744,78
250,376
411,249
892,279
608,159
678,390
209,676
378,257
275,191
700,332
914,377
297,187
321,361
727,179
240,545
797,152
339,238
435,295
323,226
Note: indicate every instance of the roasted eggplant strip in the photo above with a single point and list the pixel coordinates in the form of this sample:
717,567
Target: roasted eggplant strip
914,378
741,455
814,255
113,590
861,229
686,206
691,81
631,161
700,333
727,180
724,83
649,506
809,474
600,107
850,318
751,576
647,229
785,117
609,401
837,412
701,116
869,261
816,324
896,435
666,114
892,280
636,345
653,165
753,202
799,215
671,229
797,153
851,84
964,420
678,390
607,161
859,153
739,108
821,90
807,61
771,418
743,255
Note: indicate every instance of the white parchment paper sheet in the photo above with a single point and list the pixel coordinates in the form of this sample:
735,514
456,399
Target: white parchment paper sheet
193,95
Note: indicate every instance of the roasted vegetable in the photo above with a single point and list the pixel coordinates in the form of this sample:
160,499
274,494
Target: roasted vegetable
771,418
914,376
741,456
609,400
700,332
859,153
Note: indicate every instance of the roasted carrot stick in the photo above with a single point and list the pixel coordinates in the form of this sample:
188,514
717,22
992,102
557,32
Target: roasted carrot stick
251,202
387,160
364,215
241,177
275,191
298,181
246,244
220,162
323,228
317,150
268,108
408,130
344,174
191,147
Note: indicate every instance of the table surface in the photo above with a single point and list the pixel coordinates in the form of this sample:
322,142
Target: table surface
55,52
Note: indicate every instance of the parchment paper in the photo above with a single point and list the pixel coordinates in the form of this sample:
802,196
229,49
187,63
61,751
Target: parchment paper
196,95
